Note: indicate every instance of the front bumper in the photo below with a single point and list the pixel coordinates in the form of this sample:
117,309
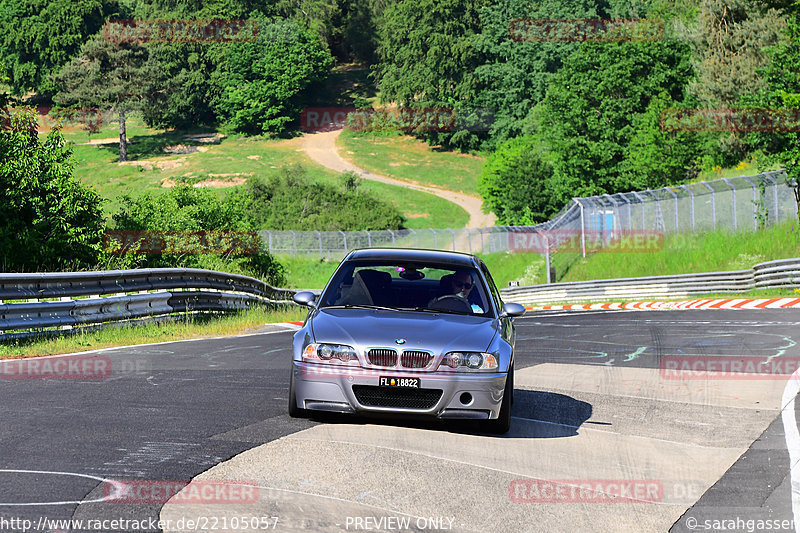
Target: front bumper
464,395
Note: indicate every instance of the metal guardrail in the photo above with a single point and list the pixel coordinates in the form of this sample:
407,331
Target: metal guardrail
783,273
63,301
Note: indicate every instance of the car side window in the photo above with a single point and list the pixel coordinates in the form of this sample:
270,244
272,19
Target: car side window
498,301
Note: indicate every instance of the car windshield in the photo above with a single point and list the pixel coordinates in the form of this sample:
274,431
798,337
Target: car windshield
419,287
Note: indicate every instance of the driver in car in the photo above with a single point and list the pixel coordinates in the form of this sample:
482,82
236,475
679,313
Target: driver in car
460,286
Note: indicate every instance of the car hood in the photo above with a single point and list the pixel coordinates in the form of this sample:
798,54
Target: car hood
437,332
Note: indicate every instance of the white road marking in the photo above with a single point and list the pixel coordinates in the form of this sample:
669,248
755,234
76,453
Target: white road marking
789,418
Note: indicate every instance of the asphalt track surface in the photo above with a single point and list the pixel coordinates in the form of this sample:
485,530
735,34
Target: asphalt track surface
592,408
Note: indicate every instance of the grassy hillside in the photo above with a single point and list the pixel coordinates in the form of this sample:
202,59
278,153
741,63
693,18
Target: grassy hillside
407,158
158,159
688,253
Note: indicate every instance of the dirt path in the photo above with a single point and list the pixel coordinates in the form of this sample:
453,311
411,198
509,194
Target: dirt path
321,147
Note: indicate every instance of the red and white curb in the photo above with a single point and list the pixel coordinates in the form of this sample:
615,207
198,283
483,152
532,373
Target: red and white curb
291,325
734,303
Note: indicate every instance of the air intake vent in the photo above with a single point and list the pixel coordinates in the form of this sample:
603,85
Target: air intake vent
382,357
414,359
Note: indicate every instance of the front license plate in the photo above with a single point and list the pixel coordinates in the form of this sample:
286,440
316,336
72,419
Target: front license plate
409,383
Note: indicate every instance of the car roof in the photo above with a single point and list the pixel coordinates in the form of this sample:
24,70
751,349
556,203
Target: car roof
409,254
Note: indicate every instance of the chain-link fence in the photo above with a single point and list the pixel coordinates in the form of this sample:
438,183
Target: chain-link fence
638,221
336,244
633,221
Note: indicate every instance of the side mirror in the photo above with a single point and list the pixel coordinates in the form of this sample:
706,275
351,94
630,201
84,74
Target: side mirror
306,298
511,310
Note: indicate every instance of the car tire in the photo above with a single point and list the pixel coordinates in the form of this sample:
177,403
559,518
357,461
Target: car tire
502,423
294,411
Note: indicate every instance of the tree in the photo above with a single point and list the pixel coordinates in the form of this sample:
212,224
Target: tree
38,37
188,91
515,74
729,48
782,93
426,50
587,116
261,84
656,155
516,183
427,58
118,76
48,221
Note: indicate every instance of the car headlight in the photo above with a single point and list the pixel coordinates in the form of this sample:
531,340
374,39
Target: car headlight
330,353
466,361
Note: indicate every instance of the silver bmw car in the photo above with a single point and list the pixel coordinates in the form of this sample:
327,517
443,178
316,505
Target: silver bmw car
407,332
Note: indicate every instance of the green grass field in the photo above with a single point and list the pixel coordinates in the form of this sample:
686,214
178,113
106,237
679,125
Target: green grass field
407,158
222,165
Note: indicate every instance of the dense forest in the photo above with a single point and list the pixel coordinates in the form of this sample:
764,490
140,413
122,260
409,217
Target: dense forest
569,116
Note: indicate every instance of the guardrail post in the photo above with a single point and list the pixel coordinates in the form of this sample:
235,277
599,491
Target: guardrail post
454,238
269,236
294,238
344,239
469,239
369,238
482,247
691,203
733,192
713,204
435,244
392,234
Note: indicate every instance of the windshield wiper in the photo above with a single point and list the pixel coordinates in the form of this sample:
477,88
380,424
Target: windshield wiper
433,309
360,306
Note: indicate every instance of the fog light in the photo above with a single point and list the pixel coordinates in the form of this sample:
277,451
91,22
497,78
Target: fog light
466,398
